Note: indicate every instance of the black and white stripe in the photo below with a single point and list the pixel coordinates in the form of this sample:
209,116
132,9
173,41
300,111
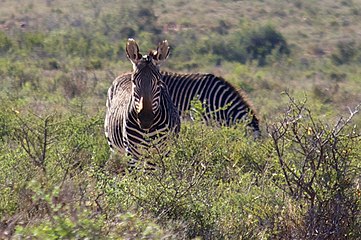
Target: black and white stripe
140,114
221,101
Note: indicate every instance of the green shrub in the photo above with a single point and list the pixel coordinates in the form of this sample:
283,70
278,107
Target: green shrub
5,43
213,192
94,64
78,221
52,64
347,51
319,168
47,150
248,45
31,40
56,175
261,42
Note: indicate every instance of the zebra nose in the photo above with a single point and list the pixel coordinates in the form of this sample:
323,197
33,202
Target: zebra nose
145,125
145,119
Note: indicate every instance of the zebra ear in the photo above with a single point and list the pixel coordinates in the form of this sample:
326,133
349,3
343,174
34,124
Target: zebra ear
162,51
132,50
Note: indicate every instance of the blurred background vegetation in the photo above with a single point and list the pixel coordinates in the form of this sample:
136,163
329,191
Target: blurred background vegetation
57,59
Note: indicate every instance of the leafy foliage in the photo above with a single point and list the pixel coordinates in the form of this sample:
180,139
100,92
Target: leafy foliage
249,45
5,42
347,51
233,190
318,164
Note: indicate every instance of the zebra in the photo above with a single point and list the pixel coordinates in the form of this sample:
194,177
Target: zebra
221,101
140,115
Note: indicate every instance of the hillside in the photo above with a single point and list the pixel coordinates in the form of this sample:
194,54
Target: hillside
299,63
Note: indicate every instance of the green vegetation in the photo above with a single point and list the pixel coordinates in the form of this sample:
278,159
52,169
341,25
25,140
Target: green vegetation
59,180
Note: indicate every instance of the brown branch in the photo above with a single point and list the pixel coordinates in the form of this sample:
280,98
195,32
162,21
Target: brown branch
280,158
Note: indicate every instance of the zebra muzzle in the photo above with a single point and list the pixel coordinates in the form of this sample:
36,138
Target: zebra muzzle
145,115
145,119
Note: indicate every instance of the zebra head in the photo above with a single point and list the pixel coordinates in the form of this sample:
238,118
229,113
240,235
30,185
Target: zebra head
146,80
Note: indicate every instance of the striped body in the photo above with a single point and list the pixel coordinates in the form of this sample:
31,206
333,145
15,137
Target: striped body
221,101
121,125
140,114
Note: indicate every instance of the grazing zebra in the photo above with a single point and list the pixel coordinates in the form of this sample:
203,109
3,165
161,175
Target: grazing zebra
140,114
221,101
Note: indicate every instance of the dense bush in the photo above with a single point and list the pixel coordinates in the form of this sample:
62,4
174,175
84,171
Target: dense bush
57,170
318,166
58,44
248,45
206,189
347,52
5,43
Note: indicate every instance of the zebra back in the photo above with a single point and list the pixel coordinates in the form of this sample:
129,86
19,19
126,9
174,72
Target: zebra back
221,101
